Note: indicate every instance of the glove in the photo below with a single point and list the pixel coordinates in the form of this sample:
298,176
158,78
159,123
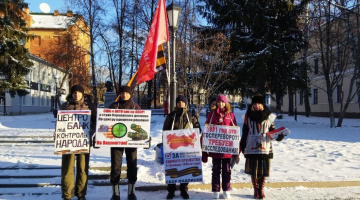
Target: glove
93,142
236,158
280,137
204,157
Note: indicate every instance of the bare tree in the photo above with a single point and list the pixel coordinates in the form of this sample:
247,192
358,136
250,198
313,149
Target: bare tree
210,64
332,40
92,11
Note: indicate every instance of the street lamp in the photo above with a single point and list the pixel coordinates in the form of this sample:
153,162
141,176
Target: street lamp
173,13
4,78
56,77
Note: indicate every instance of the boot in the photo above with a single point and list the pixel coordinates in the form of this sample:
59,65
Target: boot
261,187
183,191
116,192
170,195
256,187
131,192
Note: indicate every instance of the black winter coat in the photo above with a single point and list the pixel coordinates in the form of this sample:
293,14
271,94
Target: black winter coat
180,120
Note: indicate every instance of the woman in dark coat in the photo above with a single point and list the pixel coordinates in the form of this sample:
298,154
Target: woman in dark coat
180,118
124,102
256,145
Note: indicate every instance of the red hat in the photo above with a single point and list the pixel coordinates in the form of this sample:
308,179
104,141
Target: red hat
221,98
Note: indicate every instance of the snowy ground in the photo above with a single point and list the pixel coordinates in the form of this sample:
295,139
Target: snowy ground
313,152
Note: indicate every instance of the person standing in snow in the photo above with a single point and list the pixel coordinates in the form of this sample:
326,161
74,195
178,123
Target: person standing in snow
180,118
76,100
256,145
220,115
124,101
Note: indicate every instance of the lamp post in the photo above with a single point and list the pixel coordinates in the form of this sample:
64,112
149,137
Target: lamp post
173,13
56,77
3,77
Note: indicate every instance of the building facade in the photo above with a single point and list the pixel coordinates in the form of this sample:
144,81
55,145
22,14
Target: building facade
44,80
62,39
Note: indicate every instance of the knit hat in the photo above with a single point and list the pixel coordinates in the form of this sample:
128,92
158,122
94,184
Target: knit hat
77,88
258,99
126,88
181,98
221,98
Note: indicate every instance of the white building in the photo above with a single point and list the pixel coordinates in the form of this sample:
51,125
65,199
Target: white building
42,79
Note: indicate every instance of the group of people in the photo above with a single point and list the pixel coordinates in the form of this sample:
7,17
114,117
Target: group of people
258,120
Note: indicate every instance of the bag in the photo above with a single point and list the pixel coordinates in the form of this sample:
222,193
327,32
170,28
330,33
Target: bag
159,154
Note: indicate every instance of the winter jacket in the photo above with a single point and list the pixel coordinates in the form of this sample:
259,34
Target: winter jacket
254,143
181,118
85,103
121,104
228,119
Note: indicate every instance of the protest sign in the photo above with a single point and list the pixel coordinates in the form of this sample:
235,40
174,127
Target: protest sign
72,132
221,139
123,128
182,156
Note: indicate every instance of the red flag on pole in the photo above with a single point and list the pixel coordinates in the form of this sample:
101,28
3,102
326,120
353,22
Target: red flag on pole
158,34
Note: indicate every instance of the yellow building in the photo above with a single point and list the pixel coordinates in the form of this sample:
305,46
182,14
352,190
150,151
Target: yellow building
62,39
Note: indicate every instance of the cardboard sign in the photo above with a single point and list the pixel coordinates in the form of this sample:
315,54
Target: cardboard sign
182,156
72,132
123,128
221,139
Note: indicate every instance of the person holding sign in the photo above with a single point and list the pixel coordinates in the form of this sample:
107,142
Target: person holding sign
124,101
180,118
220,115
256,145
76,100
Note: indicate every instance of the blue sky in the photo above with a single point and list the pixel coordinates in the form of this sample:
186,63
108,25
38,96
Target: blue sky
54,5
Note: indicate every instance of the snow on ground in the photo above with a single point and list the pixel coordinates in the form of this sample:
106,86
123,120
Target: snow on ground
313,152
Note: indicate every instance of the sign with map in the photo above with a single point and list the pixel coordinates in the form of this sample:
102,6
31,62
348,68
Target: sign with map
123,128
182,156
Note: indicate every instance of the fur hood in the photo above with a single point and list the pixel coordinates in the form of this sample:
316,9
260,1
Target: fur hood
227,107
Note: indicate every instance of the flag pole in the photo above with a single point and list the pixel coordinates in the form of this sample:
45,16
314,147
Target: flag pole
168,76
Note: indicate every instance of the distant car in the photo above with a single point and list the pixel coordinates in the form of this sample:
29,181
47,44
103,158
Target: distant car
100,105
235,105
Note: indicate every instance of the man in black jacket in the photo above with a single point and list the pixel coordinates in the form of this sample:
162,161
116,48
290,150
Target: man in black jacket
124,102
180,118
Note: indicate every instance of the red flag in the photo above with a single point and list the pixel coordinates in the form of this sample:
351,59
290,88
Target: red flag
158,34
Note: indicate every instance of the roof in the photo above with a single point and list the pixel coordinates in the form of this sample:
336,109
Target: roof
50,21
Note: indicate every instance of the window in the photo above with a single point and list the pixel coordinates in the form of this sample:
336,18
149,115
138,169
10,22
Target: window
301,97
338,93
315,96
56,40
37,41
316,66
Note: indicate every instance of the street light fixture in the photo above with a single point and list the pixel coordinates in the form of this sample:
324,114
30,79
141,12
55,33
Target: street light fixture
173,13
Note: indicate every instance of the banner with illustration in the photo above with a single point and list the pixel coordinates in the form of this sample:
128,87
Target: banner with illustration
72,134
221,139
182,156
123,128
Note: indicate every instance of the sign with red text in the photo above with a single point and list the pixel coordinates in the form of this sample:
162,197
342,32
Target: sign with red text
123,128
182,156
221,139
72,134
